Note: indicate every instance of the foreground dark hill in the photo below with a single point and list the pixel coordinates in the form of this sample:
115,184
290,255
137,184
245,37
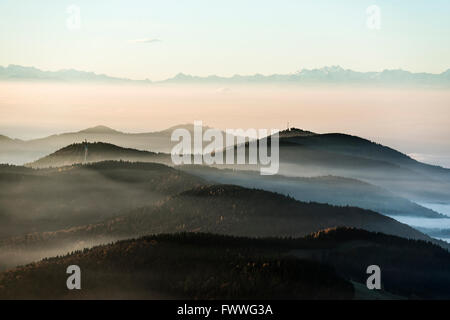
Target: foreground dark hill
414,269
51,199
306,157
326,189
206,266
182,266
96,152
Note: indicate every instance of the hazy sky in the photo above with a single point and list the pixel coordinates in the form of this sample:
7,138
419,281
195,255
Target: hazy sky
224,37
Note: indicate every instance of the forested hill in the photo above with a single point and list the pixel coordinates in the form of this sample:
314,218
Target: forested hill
323,189
37,200
223,209
207,266
96,152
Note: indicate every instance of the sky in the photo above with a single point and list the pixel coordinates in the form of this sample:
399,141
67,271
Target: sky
158,39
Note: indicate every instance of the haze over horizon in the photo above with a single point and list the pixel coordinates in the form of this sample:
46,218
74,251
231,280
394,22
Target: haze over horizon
411,121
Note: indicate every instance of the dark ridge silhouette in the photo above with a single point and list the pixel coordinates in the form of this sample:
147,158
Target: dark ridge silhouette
207,266
20,152
354,157
95,152
219,209
302,153
356,146
295,132
323,189
24,73
179,266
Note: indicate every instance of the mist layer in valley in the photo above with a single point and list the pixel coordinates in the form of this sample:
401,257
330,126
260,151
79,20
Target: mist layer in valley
413,121
66,197
56,210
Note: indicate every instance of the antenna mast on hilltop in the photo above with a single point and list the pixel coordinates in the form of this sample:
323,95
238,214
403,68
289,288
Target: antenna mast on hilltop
85,150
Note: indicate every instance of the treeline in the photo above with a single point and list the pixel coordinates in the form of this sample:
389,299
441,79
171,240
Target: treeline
53,199
178,266
209,266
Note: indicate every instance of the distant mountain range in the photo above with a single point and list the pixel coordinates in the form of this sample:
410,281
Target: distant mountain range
18,73
330,75
325,75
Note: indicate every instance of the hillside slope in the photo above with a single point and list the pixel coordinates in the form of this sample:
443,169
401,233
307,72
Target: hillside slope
218,209
51,199
20,152
96,152
206,266
326,189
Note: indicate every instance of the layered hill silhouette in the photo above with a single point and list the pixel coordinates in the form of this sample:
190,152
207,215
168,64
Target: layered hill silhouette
354,157
178,266
19,152
53,211
356,146
325,189
218,209
326,265
229,209
305,154
50,199
324,75
413,269
302,153
97,152
328,189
